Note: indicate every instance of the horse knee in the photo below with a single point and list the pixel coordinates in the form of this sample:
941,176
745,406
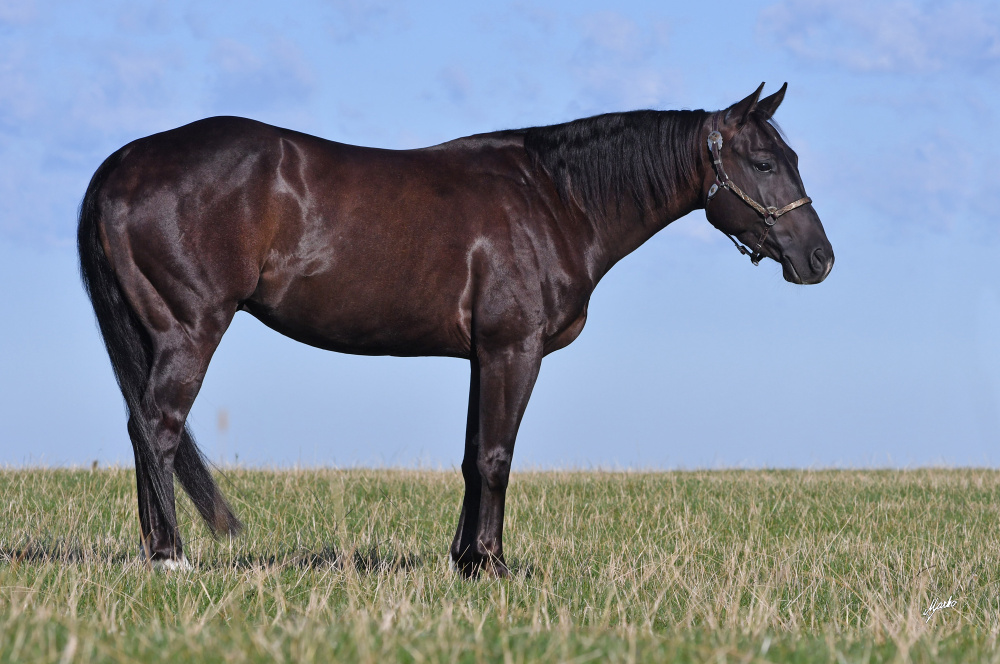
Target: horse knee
494,468
470,469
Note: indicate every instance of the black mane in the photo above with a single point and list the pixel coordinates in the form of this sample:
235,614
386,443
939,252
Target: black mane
640,156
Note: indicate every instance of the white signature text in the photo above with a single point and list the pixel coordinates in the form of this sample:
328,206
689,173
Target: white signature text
937,606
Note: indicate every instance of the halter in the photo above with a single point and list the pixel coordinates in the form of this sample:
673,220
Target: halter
769,214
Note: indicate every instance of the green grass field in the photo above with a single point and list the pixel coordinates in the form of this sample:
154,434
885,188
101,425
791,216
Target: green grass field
720,566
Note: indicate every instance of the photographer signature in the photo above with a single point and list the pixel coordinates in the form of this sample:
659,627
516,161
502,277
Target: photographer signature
937,606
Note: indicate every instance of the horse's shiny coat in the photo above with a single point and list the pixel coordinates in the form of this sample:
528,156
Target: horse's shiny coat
485,248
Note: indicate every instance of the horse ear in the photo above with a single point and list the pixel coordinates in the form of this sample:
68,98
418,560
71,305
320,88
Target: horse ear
768,105
738,114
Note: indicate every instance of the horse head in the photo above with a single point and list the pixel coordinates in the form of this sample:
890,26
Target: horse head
765,205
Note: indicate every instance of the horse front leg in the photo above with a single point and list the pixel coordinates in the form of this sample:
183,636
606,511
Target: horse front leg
506,378
463,556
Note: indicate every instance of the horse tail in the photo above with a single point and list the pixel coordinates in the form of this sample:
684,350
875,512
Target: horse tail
192,470
130,350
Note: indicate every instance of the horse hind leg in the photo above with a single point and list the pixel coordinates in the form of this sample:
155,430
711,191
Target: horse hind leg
161,314
179,361
160,359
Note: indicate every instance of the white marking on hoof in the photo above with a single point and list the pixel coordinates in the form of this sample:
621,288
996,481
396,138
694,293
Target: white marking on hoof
453,566
170,565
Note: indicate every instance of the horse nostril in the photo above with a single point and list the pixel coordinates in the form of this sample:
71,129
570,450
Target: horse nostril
818,261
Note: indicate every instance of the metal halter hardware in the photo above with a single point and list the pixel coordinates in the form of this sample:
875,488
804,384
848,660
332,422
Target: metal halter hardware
769,214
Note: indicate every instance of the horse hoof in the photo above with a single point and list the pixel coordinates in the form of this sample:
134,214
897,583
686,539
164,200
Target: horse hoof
496,569
466,570
482,567
172,565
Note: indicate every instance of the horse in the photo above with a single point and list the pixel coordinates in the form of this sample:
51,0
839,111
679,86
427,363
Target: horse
485,248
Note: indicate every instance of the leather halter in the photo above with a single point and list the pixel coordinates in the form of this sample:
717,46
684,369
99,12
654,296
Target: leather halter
769,214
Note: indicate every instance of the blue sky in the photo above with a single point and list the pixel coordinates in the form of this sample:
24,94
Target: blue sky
691,357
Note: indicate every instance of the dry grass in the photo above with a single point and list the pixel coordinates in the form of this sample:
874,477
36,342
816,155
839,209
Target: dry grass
350,566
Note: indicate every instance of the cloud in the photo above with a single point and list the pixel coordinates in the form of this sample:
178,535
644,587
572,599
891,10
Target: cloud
938,184
894,37
610,33
248,80
456,83
20,99
73,91
39,203
17,12
942,184
543,20
58,123
147,18
622,65
920,143
357,18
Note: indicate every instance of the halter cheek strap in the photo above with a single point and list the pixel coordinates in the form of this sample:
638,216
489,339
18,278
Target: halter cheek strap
769,214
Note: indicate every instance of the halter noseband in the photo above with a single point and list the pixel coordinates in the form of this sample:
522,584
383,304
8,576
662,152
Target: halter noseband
769,214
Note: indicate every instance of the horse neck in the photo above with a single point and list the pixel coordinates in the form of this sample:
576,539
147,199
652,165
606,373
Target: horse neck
616,236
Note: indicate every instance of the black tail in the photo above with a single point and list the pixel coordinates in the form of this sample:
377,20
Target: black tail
131,358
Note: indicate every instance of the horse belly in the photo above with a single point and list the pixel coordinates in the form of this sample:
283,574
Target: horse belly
369,312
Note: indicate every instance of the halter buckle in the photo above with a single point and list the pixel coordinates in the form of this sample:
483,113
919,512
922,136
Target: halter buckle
715,140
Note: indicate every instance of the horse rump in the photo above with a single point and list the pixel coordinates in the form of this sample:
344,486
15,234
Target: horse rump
130,353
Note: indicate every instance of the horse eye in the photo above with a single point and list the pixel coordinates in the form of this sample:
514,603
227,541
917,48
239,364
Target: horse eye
762,166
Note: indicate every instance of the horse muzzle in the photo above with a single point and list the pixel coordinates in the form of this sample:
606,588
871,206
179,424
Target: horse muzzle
815,268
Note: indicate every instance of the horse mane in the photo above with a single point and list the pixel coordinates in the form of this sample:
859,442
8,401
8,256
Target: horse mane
641,157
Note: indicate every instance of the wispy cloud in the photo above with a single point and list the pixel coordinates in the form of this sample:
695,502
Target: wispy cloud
56,126
939,183
249,79
927,105
20,98
17,12
137,73
543,20
894,37
357,18
150,18
456,83
621,64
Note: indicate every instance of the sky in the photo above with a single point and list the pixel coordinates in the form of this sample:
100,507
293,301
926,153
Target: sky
691,358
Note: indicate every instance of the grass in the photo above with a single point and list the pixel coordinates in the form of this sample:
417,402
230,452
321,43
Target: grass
721,566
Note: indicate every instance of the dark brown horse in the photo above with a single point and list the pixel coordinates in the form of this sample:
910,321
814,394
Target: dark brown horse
485,248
